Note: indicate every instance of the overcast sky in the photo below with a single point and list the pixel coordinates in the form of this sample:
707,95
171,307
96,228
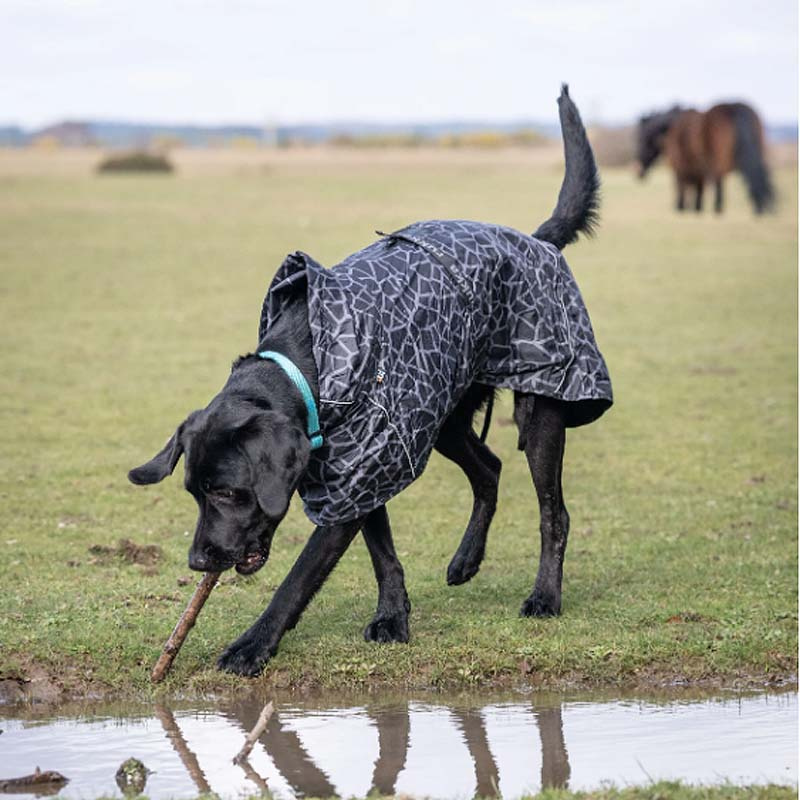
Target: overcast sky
285,61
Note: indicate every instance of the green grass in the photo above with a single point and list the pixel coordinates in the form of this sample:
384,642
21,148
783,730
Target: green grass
662,790
126,298
668,790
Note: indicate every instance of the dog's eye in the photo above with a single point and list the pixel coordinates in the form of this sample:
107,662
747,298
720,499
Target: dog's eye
219,492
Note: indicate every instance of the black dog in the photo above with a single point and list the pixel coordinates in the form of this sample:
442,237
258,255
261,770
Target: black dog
396,348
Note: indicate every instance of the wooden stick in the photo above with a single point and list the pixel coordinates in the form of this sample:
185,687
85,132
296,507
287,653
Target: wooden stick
185,624
252,737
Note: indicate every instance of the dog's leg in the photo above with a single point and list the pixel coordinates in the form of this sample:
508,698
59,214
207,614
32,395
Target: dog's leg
251,651
390,623
458,442
542,436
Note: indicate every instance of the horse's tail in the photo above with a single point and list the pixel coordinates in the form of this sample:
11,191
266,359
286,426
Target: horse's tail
749,155
577,207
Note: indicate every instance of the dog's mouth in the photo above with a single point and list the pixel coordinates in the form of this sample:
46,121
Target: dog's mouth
252,562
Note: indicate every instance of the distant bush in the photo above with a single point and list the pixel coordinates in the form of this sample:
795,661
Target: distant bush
613,147
377,140
493,139
481,139
244,142
137,161
164,142
46,142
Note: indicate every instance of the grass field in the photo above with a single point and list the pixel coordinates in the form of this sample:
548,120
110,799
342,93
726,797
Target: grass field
126,299
674,791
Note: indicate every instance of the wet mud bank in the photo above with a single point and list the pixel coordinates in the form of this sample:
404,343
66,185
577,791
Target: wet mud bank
32,683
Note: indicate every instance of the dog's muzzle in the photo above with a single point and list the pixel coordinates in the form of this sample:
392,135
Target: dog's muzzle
252,562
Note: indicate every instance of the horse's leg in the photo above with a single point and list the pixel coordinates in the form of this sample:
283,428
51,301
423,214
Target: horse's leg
681,195
698,203
718,198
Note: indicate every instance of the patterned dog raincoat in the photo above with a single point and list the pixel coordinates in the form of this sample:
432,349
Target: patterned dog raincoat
403,327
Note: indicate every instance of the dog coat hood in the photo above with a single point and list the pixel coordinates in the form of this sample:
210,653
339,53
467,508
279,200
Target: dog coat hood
402,328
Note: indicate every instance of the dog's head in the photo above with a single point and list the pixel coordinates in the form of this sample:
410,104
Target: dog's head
242,465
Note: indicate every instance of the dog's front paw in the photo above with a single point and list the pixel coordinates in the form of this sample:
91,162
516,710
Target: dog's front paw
540,604
387,629
467,559
462,568
246,656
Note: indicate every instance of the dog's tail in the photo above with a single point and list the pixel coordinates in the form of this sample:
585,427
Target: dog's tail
578,200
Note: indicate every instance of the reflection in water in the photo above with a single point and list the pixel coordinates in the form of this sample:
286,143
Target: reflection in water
470,723
419,748
298,769
285,749
306,779
187,757
393,727
555,762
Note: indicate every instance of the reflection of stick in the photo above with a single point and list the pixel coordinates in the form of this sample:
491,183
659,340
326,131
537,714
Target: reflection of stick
185,624
188,758
254,776
252,737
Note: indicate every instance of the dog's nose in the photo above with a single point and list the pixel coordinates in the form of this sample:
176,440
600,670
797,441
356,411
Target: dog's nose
199,561
209,558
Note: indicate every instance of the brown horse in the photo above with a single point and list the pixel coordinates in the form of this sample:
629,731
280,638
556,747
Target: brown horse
706,146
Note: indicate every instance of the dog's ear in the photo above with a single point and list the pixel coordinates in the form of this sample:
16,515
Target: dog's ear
279,452
163,463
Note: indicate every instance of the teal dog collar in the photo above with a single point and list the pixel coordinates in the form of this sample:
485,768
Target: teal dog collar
298,379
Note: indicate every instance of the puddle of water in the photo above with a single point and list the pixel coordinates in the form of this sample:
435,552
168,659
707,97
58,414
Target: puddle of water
507,746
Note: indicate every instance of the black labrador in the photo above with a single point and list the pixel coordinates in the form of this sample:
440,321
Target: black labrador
246,452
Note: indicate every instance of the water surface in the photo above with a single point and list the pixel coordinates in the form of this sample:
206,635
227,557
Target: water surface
432,746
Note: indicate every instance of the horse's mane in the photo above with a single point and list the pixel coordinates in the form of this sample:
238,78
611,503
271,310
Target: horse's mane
657,122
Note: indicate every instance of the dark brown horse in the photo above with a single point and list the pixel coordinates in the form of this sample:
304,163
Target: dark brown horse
706,146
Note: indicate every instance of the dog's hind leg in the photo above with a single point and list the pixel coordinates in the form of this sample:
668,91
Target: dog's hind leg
458,442
542,436
390,623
